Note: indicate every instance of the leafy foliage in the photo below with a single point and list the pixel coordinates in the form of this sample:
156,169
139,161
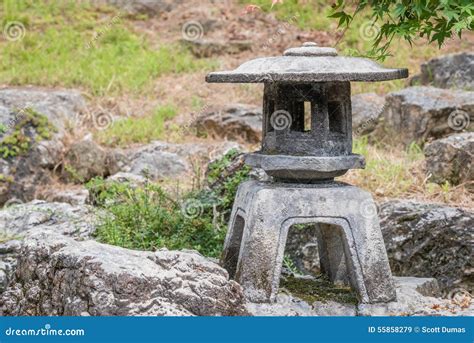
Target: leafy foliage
147,218
224,175
435,20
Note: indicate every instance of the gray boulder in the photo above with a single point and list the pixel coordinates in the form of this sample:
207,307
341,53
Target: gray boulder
366,110
57,275
83,161
55,269
449,71
235,121
70,195
417,114
63,108
22,110
19,221
451,159
162,160
429,240
418,297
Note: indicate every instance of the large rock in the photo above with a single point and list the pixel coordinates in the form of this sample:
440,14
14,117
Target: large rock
429,240
71,195
366,110
419,297
63,108
19,221
236,121
451,159
416,114
83,161
21,113
60,271
161,160
449,71
57,275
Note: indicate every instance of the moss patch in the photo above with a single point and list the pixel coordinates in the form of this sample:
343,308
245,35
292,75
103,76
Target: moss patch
29,126
321,289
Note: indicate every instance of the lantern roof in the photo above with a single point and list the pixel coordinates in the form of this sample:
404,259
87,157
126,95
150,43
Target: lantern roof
308,63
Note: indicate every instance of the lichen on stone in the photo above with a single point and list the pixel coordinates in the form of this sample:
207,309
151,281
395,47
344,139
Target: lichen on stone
29,127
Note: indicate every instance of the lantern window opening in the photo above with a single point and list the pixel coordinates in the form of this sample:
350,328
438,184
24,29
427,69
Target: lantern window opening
308,114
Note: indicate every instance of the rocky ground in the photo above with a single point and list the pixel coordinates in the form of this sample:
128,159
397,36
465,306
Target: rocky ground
51,264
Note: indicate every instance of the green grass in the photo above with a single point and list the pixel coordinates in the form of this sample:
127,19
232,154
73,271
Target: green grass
145,129
75,45
147,218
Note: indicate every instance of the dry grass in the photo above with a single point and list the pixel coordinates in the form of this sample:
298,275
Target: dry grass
394,172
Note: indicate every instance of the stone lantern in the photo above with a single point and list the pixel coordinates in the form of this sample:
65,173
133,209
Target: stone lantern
306,143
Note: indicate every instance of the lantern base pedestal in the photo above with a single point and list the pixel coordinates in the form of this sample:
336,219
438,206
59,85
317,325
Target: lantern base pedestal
351,244
304,169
